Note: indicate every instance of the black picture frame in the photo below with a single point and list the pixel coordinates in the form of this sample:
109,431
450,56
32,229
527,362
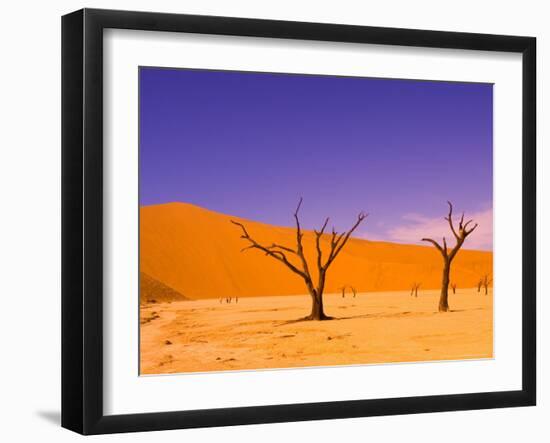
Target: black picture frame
82,218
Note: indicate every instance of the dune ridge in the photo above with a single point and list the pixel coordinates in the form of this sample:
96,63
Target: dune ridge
197,252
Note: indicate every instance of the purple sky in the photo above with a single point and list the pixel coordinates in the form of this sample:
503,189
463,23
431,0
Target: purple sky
250,144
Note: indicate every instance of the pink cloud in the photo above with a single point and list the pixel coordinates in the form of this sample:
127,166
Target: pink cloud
417,226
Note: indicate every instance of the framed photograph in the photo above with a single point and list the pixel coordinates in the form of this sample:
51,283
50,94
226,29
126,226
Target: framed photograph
269,221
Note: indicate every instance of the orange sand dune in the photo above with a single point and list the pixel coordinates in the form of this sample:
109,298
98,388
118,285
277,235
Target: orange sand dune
197,253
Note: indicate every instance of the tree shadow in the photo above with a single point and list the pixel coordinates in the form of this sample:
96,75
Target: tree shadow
465,310
304,319
352,317
378,315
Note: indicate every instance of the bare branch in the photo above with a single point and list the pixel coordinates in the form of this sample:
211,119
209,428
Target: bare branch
339,238
324,226
433,242
461,223
298,207
245,233
299,234
284,248
460,236
333,237
342,239
281,254
318,235
299,246
449,218
466,232
277,255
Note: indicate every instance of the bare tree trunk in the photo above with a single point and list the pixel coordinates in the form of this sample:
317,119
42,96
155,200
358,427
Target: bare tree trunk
444,297
317,309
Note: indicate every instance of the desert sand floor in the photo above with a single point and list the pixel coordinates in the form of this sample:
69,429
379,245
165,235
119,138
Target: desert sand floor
259,332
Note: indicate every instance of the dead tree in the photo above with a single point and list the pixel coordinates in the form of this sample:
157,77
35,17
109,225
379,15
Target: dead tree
414,289
453,287
485,282
479,285
281,254
353,290
448,256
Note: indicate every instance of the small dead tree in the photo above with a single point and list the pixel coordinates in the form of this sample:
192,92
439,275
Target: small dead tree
281,254
448,256
479,285
353,290
485,282
414,289
453,287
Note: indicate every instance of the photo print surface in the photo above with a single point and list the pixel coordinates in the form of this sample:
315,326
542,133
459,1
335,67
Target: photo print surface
292,220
